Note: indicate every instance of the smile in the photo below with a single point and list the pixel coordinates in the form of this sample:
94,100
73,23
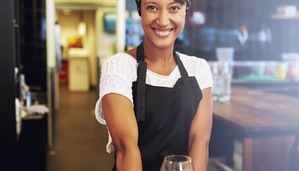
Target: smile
163,33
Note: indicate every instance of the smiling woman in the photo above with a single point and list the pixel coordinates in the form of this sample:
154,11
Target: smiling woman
162,21
154,100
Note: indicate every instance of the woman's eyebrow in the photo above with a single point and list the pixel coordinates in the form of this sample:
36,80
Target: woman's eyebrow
154,3
150,2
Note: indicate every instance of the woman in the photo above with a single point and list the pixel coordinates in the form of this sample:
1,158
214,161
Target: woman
156,101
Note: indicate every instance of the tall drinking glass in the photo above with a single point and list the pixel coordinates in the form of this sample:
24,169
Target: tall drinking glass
177,163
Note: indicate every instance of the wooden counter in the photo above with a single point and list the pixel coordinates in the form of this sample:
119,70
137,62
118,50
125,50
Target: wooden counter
255,129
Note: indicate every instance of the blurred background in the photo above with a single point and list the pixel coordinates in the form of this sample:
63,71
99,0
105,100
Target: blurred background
52,52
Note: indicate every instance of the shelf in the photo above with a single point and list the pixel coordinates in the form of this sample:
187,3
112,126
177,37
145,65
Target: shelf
278,16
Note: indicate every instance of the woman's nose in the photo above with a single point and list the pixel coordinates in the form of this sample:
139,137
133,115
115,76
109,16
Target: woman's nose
163,18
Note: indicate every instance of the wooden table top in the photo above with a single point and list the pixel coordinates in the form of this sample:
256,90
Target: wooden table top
254,111
33,117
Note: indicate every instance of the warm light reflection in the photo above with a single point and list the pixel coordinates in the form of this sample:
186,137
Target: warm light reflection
82,28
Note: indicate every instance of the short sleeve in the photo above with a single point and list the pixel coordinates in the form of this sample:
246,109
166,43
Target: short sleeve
199,68
117,74
203,74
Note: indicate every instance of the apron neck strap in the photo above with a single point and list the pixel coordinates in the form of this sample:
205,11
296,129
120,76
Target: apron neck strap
140,53
141,76
182,69
140,57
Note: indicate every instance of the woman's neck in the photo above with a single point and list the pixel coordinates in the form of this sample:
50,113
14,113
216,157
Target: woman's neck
156,54
159,60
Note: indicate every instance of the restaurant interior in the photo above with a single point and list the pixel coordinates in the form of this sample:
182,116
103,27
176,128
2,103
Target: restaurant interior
51,57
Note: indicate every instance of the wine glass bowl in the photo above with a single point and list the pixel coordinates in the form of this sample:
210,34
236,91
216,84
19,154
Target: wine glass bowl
177,163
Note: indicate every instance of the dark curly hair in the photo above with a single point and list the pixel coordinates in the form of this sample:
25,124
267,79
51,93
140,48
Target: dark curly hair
138,2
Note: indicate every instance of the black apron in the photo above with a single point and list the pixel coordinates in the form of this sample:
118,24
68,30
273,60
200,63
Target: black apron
163,114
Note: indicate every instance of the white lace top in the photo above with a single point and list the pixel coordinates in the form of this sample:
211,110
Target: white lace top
120,70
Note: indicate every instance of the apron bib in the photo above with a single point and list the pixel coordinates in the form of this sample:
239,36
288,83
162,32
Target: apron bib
163,114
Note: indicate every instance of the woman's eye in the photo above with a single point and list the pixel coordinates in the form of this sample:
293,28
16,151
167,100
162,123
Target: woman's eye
151,8
174,8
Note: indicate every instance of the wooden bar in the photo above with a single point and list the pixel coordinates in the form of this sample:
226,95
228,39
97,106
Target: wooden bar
265,123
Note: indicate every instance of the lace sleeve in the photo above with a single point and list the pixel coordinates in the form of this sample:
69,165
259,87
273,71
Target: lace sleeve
199,68
118,73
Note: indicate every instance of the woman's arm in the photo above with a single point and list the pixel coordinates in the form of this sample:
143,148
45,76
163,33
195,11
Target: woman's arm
122,125
200,132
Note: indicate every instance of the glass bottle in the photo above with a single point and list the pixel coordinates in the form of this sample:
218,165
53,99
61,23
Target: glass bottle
226,77
217,81
25,92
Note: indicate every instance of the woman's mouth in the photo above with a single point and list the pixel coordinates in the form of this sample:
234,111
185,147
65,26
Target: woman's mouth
163,33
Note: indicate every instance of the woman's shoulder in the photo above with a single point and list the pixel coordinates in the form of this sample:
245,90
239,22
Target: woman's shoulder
120,63
198,67
121,57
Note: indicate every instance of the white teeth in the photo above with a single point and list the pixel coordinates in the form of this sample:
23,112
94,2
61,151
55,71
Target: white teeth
162,32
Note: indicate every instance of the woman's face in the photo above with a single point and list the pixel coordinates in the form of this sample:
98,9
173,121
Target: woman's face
162,21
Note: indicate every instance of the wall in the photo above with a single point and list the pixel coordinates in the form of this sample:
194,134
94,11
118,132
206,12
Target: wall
106,44
94,2
69,30
268,37
98,43
7,85
33,46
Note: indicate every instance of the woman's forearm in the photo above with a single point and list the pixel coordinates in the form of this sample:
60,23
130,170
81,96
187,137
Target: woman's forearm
128,160
200,132
199,152
122,126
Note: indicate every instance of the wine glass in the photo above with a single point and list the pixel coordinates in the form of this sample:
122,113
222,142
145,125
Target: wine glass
177,163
